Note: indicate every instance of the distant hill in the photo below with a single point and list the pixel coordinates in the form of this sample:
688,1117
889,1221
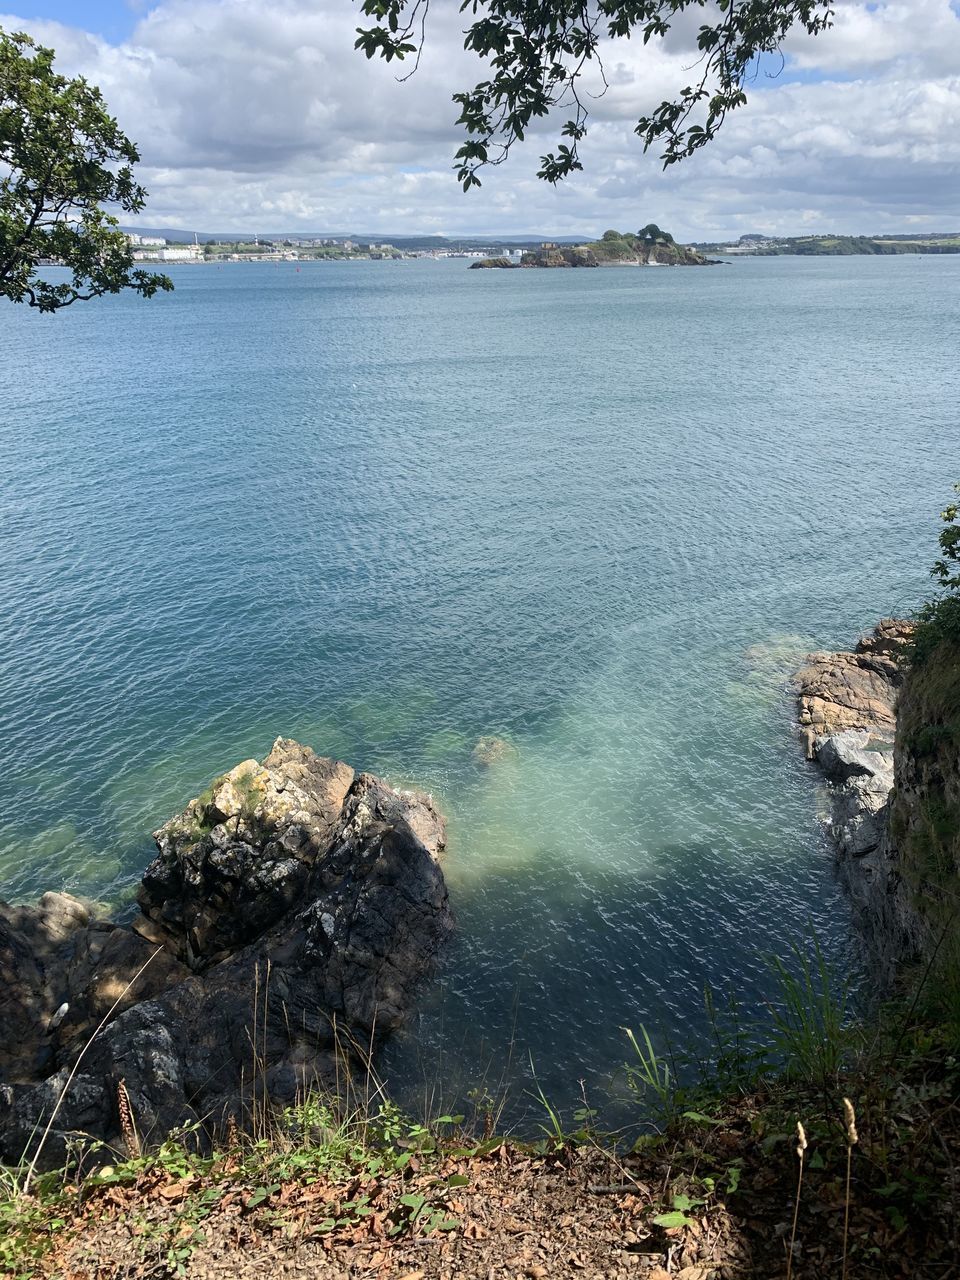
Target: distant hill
836,246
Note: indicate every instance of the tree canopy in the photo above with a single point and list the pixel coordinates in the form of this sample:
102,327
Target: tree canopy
62,156
539,50
654,234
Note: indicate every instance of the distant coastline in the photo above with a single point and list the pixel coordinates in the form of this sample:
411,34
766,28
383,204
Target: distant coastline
613,248
834,246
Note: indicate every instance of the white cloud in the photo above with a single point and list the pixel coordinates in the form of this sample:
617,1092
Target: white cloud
922,36
256,118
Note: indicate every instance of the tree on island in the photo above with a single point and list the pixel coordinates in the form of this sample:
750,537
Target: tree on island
652,234
539,50
62,156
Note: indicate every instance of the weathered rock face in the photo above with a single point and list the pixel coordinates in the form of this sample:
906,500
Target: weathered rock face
239,856
847,711
854,690
61,971
307,904
486,264
579,256
675,255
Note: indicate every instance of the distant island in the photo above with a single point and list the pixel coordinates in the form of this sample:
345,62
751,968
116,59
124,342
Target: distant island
835,246
649,247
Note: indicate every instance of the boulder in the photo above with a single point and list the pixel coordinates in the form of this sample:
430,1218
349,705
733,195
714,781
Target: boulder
855,753
857,689
290,914
238,857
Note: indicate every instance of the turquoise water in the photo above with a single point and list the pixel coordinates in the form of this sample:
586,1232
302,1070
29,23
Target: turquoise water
388,509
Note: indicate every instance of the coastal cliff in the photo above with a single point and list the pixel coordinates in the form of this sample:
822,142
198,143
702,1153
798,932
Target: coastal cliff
287,920
650,247
923,835
885,731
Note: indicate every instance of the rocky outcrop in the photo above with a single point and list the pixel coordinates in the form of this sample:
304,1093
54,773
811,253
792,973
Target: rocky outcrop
847,706
239,856
501,264
61,971
579,256
287,920
673,255
855,690
617,249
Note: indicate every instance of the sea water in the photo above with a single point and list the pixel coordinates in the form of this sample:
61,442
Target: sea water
391,508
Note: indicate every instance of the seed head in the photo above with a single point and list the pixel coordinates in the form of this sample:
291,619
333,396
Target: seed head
850,1120
801,1140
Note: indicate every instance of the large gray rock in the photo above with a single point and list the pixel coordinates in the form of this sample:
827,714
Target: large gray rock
856,753
61,971
308,905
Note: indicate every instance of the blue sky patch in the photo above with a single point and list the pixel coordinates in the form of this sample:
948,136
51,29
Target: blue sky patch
112,19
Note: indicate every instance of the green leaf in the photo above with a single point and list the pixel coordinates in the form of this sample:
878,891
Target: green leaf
262,1193
698,1117
670,1220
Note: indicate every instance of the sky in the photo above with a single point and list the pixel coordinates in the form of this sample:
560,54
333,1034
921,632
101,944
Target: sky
258,115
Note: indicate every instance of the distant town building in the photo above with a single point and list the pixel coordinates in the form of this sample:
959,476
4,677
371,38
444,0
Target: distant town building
183,253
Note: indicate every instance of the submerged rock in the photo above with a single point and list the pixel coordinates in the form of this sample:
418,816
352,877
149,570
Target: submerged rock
491,750
290,914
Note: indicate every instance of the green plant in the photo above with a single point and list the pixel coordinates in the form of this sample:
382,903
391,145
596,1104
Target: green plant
650,1073
415,1213
684,1203
28,1225
556,1134
742,1054
810,1031
939,619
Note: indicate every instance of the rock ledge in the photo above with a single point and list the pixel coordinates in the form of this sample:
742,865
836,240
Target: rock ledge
847,714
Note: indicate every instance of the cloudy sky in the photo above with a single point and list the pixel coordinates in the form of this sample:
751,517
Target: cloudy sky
258,115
